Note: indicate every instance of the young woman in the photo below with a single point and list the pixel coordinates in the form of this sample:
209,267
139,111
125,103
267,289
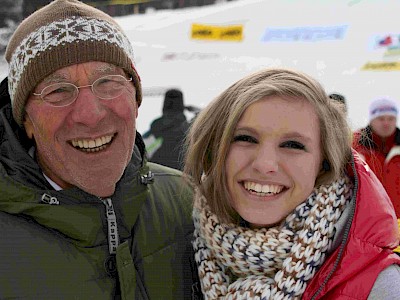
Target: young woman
284,208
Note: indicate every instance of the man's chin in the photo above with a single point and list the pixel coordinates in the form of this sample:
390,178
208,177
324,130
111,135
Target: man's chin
99,191
100,180
100,186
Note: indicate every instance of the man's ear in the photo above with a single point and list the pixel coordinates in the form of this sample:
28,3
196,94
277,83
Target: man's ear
28,125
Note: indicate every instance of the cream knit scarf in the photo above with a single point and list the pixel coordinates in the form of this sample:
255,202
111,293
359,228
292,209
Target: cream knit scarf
269,263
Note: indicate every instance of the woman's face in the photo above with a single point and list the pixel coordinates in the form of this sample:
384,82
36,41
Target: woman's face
274,159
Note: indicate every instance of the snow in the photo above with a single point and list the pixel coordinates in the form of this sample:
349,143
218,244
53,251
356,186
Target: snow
166,56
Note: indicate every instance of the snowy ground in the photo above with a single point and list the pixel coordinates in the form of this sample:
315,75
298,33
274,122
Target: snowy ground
166,56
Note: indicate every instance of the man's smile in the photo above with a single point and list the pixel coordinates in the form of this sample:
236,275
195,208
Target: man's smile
92,145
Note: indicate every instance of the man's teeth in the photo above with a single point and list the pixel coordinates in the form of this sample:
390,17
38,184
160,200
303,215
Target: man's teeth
263,189
92,145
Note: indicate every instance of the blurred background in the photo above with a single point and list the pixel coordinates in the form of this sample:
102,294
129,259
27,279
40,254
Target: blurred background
202,46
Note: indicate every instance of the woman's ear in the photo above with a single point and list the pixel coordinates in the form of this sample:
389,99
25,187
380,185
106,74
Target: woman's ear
326,165
28,125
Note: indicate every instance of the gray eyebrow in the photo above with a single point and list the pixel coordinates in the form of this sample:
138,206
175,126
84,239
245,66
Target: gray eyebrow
62,77
55,78
104,69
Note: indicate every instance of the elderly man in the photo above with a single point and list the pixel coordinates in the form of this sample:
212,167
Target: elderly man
379,144
82,214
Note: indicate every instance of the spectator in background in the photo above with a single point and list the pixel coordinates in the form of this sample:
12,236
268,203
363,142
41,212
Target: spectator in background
10,12
379,145
339,98
166,135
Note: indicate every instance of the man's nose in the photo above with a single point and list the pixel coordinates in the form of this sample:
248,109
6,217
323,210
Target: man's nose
88,108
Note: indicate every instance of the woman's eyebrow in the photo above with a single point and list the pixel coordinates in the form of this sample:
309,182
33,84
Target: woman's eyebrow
299,135
244,128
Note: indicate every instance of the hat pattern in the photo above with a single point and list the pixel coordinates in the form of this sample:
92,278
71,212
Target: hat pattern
61,32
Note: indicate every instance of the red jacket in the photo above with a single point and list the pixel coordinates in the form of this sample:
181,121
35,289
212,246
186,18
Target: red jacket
391,177
383,157
367,245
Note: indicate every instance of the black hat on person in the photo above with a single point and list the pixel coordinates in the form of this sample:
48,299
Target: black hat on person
173,101
338,97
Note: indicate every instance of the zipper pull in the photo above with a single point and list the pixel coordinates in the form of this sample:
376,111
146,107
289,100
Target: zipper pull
113,238
148,178
48,199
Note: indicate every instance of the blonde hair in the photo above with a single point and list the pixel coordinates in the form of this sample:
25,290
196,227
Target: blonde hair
210,135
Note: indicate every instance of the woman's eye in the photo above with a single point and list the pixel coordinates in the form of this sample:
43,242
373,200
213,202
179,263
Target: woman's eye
244,138
293,145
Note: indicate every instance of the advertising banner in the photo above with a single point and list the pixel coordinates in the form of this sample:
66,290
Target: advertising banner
304,34
381,66
217,33
389,42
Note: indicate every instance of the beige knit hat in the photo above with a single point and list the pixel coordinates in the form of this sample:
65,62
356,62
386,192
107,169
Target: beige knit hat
63,33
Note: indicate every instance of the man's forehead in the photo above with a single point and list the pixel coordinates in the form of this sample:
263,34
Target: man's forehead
387,117
92,69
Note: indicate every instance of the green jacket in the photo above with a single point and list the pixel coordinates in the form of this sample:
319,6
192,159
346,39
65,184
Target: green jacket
54,244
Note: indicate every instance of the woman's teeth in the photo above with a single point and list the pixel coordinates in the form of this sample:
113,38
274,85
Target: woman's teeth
263,190
92,145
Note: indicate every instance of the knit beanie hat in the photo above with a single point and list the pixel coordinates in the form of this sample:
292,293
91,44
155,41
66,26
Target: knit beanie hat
173,101
382,107
60,34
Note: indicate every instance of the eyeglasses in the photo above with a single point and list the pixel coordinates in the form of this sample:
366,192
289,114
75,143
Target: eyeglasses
65,93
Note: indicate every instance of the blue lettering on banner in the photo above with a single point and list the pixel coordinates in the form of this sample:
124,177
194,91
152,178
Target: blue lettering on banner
304,34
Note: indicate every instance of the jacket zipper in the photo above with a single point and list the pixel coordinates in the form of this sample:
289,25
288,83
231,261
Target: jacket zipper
113,237
345,235
112,228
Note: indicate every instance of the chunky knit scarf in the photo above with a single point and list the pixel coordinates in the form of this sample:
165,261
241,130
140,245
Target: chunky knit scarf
268,263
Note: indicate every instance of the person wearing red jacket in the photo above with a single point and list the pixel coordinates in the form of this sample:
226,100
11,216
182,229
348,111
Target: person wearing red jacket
284,208
379,146
361,264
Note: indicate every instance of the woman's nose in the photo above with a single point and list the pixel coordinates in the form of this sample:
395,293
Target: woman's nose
266,160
